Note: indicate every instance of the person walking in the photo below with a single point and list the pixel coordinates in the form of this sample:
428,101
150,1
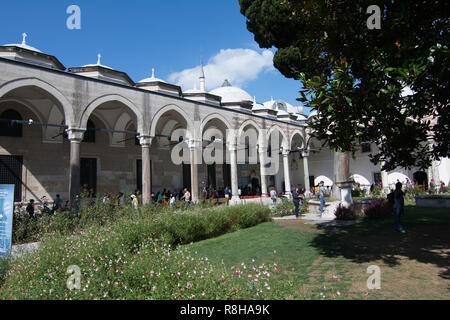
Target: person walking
173,202
321,195
399,206
187,198
134,202
57,204
30,208
273,196
296,201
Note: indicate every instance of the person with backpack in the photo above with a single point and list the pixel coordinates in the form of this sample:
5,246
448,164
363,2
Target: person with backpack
399,205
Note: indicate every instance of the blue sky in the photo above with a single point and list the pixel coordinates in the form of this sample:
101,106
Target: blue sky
135,36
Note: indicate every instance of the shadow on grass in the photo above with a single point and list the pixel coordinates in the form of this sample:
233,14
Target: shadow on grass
427,240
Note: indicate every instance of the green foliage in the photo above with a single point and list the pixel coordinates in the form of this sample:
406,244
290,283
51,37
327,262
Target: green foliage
354,76
123,260
286,208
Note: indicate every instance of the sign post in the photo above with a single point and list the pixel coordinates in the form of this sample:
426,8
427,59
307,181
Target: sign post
6,218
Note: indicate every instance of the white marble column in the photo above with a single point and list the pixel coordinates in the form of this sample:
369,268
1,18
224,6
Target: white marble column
195,157
234,173
145,142
384,180
305,156
75,136
287,176
262,151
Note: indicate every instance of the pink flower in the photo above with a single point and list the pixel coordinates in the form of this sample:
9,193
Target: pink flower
338,294
366,295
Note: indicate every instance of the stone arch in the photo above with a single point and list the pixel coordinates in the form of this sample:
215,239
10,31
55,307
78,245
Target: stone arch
216,116
177,110
297,132
111,98
285,139
47,88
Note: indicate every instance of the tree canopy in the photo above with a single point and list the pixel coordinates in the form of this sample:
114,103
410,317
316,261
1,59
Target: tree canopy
387,86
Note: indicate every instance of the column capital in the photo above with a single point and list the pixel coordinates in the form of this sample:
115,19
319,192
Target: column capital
75,134
305,154
194,144
286,152
145,140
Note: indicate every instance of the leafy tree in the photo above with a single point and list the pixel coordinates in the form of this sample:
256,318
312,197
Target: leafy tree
355,77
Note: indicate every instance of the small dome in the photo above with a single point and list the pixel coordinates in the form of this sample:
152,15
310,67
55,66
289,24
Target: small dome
231,94
98,64
23,44
152,79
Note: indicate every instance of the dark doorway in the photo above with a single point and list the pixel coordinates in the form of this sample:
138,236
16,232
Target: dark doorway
421,178
88,174
139,175
311,182
212,175
187,176
226,171
11,173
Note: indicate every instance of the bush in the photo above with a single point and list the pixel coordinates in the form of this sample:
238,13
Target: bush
122,261
344,213
379,209
376,192
287,208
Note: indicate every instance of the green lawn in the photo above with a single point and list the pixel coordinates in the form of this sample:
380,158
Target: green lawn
314,261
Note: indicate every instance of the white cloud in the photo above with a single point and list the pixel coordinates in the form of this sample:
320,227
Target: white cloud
239,66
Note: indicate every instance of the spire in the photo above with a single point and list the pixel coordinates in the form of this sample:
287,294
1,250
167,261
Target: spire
153,73
226,83
24,36
202,76
99,56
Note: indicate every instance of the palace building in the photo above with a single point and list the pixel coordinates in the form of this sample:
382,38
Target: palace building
92,125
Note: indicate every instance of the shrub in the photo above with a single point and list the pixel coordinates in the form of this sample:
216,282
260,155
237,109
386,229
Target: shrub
121,261
344,213
376,192
287,208
378,209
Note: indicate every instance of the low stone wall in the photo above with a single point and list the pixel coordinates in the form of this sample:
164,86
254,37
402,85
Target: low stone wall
433,201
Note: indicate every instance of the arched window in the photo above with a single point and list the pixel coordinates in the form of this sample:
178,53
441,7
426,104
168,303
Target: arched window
89,135
10,128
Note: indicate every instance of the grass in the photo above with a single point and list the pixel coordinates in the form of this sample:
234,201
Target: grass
320,262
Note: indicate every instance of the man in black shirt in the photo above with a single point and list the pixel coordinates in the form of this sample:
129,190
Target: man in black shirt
30,208
296,201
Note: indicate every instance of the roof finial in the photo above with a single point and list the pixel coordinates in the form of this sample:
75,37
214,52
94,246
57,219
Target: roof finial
99,57
153,73
24,36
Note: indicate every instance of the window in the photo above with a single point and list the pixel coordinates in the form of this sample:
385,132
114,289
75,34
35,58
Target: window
365,147
377,177
11,173
89,135
10,128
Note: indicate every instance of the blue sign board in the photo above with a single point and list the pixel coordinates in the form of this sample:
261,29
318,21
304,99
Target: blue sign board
6,218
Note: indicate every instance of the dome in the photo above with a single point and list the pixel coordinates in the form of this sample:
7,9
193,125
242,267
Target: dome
230,94
97,64
152,79
23,44
277,105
